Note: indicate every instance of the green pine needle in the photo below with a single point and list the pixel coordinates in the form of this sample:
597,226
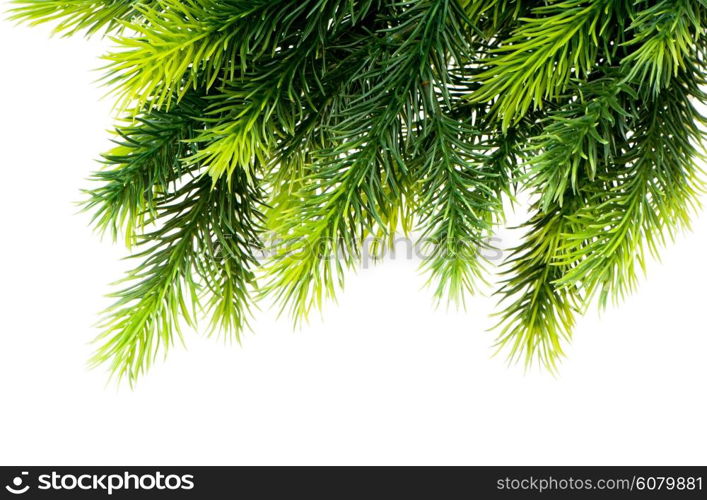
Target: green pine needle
319,124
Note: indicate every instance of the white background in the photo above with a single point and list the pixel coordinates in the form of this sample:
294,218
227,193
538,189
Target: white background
383,378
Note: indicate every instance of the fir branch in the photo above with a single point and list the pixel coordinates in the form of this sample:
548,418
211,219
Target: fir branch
458,208
544,52
538,316
665,34
577,138
355,186
269,101
343,119
90,16
492,16
182,44
148,160
201,225
642,199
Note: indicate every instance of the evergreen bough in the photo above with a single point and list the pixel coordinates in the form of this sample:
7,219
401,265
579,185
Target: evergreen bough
318,123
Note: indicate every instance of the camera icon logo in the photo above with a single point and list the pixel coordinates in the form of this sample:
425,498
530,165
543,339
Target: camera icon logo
16,488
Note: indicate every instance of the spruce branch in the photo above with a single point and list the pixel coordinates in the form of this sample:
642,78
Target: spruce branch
457,210
204,245
317,124
538,316
664,40
89,16
577,138
643,198
147,160
354,187
544,52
